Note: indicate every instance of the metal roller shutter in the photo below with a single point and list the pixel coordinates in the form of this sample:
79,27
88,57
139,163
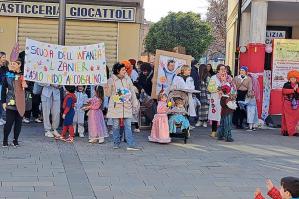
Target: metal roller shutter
77,33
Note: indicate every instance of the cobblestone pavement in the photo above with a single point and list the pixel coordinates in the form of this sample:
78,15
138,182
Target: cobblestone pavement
204,168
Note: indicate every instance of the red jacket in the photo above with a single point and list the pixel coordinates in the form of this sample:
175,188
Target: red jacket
65,106
273,193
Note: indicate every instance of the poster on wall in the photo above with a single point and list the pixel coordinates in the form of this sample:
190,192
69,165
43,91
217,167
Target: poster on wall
285,58
65,65
167,66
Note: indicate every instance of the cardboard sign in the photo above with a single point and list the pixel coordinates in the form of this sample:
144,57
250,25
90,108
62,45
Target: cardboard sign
163,75
65,65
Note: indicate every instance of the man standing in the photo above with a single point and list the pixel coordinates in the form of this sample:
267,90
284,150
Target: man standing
51,105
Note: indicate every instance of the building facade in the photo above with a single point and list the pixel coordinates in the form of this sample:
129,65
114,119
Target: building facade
261,21
117,23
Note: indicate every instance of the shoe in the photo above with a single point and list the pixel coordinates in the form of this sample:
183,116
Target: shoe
93,140
81,135
62,138
26,121
133,149
249,130
5,144
213,134
49,134
55,133
199,123
3,121
15,143
38,121
205,124
70,140
116,147
101,141
229,140
254,129
136,130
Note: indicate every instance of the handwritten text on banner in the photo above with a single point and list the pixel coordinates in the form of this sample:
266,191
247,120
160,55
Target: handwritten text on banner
65,65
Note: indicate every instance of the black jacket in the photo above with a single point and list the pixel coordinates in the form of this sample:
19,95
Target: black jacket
145,83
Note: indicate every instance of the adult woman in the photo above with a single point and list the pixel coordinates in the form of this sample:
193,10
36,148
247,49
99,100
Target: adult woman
214,87
122,101
290,108
3,70
210,70
243,85
203,111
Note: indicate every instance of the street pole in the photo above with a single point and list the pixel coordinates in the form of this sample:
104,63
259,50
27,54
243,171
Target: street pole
62,21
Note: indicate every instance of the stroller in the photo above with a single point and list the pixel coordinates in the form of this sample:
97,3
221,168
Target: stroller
179,126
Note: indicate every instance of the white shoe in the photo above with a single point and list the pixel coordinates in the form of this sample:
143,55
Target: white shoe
55,133
25,120
49,134
2,121
205,124
81,135
136,130
199,123
93,140
38,120
101,140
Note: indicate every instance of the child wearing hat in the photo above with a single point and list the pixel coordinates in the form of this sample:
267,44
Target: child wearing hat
68,113
228,105
289,189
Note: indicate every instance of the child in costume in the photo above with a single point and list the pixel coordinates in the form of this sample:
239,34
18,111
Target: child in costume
179,116
160,128
289,189
68,113
252,114
13,100
228,105
96,123
79,113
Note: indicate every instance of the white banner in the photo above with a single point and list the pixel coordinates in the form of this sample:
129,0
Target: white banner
65,65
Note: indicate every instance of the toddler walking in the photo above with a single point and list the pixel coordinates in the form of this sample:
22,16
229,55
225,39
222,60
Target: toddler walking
68,114
96,123
79,112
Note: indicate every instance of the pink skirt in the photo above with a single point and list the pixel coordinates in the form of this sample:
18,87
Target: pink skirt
160,129
96,124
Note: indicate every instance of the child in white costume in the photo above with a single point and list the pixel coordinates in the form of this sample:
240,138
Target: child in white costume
79,112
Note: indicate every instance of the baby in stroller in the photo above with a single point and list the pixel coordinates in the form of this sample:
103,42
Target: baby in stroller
178,121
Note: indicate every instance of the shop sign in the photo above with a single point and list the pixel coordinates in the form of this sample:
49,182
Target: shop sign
73,11
273,34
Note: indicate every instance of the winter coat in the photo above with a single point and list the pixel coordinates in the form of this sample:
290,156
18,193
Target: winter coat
195,76
123,98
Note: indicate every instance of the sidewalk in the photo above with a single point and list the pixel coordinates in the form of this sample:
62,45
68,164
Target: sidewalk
204,168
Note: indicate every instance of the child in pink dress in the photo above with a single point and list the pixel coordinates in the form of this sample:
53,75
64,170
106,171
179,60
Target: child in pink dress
96,124
160,128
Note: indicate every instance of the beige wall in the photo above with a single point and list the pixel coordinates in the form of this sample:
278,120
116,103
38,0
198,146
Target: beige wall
295,34
8,33
129,41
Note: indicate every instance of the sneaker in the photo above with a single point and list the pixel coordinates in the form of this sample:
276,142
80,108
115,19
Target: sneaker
205,124
116,147
26,120
55,133
199,123
3,121
81,135
49,134
5,144
101,141
70,140
249,130
15,143
62,138
136,130
38,121
133,149
254,129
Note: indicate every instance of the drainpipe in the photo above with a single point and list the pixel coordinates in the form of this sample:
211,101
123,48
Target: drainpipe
237,53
